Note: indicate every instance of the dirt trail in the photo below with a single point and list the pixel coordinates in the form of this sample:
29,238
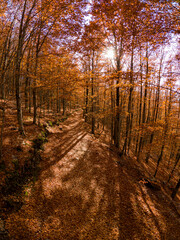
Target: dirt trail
83,193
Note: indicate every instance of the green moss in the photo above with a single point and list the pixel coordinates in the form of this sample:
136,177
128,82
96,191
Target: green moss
50,123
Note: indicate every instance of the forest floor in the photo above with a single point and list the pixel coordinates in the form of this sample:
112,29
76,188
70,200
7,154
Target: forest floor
86,191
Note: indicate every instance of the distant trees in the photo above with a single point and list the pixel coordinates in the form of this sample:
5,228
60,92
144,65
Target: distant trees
91,48
31,30
140,103
125,26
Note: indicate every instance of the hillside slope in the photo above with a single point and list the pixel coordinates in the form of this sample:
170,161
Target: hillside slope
85,191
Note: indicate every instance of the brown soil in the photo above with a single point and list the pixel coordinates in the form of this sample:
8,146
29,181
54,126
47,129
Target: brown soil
85,191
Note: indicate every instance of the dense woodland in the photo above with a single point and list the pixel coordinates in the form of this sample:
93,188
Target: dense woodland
116,60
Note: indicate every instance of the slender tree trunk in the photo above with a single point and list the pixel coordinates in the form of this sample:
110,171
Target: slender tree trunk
176,163
2,129
104,107
86,101
2,84
175,190
145,90
64,103
130,114
4,59
130,126
92,95
149,107
140,101
27,81
34,105
19,56
48,101
35,84
117,109
30,96
165,134
116,125
112,114
18,98
145,102
156,107
57,100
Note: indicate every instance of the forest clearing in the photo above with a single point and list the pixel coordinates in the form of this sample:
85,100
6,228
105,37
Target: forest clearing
89,120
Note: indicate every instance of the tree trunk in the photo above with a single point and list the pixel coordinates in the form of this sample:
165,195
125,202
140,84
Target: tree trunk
64,103
19,56
35,84
27,81
34,105
165,133
92,95
130,114
145,102
175,190
140,101
2,129
86,100
112,114
156,107
176,163
117,117
18,97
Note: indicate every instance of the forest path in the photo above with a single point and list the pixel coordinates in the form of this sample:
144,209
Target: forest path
85,191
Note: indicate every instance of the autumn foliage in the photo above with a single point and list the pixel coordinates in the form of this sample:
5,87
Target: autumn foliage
117,61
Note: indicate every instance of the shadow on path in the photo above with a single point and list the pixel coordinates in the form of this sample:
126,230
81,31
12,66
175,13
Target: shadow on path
83,193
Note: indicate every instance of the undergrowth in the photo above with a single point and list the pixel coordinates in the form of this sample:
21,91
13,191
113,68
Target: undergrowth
21,176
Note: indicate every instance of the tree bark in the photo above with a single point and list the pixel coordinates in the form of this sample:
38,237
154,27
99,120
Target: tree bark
92,95
2,129
130,114
173,195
